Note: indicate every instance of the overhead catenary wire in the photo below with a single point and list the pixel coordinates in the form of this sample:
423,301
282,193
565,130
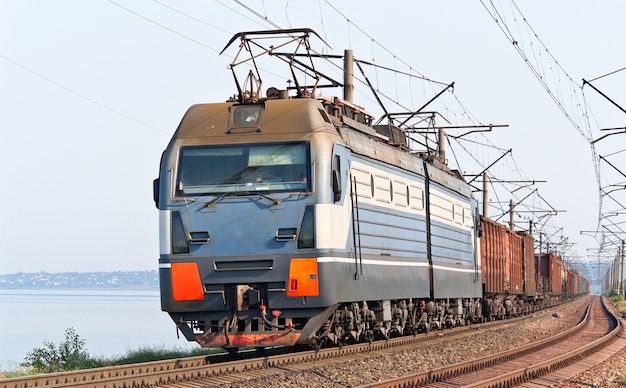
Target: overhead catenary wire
173,31
83,96
578,113
396,58
607,74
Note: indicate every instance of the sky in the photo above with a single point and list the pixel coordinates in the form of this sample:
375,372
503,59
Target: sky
90,93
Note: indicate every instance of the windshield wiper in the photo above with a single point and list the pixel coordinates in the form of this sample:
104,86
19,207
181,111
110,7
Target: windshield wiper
216,199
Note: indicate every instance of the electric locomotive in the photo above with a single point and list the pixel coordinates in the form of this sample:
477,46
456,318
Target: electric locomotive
294,218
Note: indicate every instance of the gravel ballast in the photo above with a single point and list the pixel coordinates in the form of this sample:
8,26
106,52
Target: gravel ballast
360,371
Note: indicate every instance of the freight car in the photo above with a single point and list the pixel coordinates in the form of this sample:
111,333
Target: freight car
293,218
508,271
576,284
551,277
518,281
571,284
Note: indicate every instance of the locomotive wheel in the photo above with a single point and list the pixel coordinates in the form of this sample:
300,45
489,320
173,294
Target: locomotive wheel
384,334
320,343
369,336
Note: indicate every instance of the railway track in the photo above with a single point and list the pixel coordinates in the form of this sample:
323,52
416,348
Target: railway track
222,368
203,371
510,368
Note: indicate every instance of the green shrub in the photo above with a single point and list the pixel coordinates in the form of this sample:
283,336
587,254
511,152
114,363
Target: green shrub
69,355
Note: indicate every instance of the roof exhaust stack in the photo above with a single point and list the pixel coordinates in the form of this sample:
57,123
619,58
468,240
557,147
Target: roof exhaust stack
442,146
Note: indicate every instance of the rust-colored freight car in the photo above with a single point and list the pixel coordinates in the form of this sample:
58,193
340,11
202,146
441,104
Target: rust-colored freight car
529,268
501,254
561,273
551,273
515,280
571,284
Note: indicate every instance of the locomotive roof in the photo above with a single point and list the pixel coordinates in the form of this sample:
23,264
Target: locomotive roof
294,119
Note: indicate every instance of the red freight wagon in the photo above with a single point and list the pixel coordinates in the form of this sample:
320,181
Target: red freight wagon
560,275
516,263
551,274
529,269
543,274
571,285
501,254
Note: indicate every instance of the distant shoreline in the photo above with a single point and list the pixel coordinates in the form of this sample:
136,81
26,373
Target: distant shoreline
2,288
115,280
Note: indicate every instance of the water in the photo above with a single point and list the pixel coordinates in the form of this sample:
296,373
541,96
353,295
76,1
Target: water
111,322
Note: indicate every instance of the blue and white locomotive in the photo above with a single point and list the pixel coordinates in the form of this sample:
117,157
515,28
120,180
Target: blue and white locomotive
291,219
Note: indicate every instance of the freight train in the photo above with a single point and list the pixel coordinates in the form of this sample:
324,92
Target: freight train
517,281
294,218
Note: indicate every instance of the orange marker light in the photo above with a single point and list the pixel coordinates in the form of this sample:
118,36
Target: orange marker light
303,278
186,284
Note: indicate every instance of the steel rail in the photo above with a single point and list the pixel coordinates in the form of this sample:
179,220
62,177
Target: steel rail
520,375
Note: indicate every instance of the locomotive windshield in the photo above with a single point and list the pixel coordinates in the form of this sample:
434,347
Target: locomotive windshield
241,169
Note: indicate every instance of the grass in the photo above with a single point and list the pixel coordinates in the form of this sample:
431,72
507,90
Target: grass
148,354
620,305
617,301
